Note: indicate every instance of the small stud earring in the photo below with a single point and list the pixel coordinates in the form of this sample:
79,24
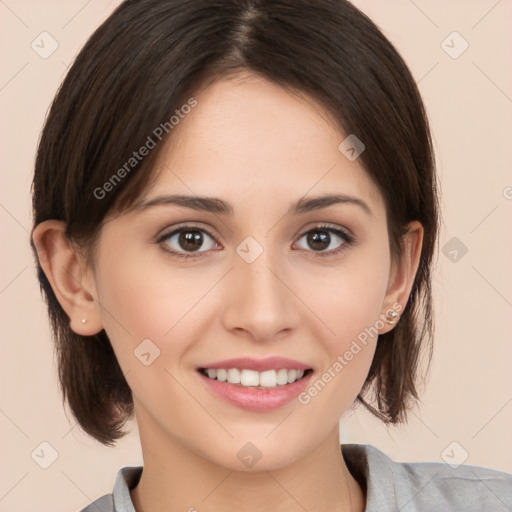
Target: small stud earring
390,315
84,320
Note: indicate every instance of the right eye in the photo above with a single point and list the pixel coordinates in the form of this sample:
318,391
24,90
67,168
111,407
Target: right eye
185,241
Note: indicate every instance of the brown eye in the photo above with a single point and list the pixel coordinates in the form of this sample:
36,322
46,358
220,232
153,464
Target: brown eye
318,240
188,241
325,240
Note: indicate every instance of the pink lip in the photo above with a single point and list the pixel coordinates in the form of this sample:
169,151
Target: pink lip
253,398
259,365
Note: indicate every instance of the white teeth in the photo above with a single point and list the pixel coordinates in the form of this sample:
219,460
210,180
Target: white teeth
233,376
282,377
266,379
249,378
292,375
222,375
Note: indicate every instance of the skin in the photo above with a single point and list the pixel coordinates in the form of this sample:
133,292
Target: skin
260,148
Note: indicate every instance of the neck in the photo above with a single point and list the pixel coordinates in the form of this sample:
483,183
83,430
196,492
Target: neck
177,478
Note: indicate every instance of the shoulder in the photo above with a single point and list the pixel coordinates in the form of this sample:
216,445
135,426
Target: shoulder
463,488
420,486
120,499
103,504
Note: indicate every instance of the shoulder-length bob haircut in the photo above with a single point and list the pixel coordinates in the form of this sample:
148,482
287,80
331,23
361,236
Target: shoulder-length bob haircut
141,65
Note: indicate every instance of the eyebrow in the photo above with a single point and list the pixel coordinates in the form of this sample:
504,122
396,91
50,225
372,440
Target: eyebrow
218,206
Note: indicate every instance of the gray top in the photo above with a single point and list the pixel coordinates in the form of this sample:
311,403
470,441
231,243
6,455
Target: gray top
390,486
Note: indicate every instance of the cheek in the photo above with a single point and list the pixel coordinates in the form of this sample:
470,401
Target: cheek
144,299
136,300
144,313
348,302
349,298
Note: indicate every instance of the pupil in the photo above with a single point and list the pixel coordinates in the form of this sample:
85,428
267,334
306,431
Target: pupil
319,237
190,240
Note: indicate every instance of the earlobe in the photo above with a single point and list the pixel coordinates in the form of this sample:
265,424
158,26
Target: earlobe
64,271
403,273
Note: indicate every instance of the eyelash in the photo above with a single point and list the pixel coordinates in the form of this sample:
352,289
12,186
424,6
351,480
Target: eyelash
348,240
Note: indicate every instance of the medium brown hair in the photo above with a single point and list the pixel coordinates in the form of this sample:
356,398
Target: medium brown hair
141,65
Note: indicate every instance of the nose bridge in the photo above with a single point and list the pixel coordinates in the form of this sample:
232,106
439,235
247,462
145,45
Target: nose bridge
259,302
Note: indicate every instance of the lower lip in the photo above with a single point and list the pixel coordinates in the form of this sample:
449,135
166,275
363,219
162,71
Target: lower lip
254,399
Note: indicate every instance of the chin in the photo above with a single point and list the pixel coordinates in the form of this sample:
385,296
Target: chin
259,455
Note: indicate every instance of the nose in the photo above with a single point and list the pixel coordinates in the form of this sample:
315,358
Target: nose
259,299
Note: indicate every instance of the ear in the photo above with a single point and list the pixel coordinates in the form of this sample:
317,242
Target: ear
402,274
66,272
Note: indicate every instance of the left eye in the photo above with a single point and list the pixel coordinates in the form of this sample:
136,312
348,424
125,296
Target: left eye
320,239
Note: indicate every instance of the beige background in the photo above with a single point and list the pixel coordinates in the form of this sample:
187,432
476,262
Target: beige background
468,397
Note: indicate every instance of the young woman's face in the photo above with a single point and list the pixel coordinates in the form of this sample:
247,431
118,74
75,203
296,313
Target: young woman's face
262,281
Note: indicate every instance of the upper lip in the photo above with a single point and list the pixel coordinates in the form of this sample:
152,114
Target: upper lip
249,363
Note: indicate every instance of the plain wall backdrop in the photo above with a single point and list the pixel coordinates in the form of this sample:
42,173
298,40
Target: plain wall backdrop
459,53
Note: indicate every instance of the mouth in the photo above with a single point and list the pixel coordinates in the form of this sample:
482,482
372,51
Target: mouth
247,378
259,385
257,391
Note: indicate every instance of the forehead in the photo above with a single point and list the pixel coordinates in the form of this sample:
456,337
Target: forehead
248,137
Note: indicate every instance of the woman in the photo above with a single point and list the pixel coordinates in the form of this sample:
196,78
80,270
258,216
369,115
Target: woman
235,214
